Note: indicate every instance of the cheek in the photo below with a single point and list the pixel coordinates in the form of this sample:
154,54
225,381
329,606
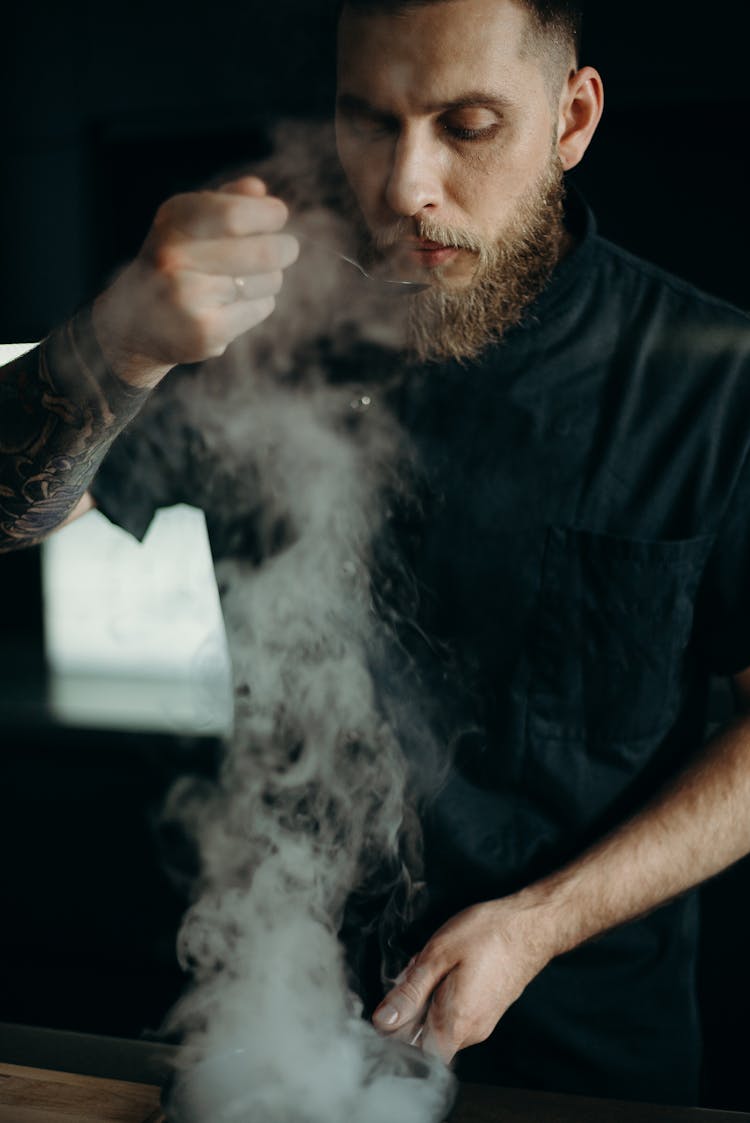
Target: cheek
482,189
361,171
488,184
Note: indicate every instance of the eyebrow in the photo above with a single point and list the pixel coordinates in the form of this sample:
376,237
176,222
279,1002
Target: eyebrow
350,103
480,98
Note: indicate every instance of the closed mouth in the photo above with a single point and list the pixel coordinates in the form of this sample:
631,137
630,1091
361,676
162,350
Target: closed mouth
427,246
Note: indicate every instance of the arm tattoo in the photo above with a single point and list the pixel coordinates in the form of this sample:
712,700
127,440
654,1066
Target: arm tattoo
60,410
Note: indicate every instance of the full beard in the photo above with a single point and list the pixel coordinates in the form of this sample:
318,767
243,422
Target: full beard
459,324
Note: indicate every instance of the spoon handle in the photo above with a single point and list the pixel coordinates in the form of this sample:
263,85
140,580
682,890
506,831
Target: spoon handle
405,287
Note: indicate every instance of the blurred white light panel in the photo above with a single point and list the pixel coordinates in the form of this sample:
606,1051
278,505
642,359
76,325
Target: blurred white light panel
9,351
134,633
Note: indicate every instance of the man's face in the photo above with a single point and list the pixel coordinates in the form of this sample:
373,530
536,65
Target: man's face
445,129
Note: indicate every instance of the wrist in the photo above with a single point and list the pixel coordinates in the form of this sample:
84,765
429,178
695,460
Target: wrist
124,359
547,919
78,370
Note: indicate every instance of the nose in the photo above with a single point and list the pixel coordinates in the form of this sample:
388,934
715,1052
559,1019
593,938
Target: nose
414,183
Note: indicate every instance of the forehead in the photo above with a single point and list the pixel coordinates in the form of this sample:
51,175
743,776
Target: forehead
438,50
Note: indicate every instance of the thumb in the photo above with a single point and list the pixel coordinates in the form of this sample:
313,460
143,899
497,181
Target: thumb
407,1001
245,185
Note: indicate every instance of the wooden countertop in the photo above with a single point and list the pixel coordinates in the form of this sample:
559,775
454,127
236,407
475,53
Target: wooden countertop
37,1095
33,1095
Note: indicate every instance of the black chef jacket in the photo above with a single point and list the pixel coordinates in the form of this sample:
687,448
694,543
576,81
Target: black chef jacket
584,554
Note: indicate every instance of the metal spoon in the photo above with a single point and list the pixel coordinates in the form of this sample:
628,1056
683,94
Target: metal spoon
395,288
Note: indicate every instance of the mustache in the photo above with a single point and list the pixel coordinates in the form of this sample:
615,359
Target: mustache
389,237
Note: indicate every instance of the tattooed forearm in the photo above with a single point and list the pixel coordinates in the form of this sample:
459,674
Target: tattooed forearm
60,410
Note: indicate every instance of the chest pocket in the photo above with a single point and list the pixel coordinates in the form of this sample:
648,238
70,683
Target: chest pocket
608,640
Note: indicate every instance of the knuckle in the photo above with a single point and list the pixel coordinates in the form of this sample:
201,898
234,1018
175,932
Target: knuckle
433,953
167,212
163,214
166,259
432,961
173,287
410,991
213,349
480,1033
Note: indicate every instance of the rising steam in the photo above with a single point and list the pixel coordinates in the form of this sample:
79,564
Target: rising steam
311,801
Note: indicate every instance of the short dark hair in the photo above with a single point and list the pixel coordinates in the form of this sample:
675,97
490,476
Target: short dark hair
560,20
562,17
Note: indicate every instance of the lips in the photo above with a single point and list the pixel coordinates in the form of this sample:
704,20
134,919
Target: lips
429,254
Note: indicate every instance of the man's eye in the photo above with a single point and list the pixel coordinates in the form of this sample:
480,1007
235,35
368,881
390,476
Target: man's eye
470,134
480,126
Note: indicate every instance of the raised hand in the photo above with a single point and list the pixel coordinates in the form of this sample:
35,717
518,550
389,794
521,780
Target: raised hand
208,271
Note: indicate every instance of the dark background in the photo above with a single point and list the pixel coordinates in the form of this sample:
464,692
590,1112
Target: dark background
109,109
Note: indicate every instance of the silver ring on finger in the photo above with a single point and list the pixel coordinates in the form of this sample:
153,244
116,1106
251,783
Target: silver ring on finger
239,288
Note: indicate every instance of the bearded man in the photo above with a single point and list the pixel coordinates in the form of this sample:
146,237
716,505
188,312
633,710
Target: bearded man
582,425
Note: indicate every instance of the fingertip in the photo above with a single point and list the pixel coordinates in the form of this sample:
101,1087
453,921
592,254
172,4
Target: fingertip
386,1016
283,209
254,188
293,251
245,185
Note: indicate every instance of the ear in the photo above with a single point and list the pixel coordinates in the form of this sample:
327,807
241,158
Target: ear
581,107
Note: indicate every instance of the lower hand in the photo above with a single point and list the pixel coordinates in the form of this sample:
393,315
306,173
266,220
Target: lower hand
208,271
462,982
